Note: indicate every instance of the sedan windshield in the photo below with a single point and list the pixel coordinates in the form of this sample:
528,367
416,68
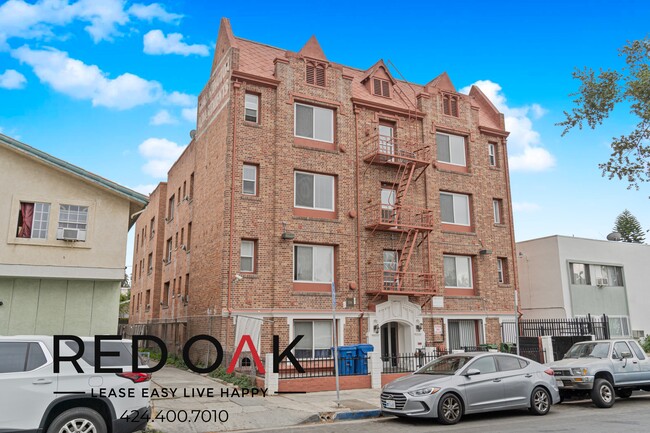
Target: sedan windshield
588,350
447,365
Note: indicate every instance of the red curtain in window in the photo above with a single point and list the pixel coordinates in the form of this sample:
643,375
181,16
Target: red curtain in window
26,219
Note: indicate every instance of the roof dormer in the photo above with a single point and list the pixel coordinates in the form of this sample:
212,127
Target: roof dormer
378,80
315,62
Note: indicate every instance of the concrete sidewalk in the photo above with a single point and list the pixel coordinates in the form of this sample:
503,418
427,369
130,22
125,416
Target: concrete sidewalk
246,413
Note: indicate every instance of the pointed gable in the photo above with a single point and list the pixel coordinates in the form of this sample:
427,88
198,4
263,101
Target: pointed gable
378,79
380,70
489,115
313,50
441,82
225,40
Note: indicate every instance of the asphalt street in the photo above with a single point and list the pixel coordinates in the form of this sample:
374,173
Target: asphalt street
627,416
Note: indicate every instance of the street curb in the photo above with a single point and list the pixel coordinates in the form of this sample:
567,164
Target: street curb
357,414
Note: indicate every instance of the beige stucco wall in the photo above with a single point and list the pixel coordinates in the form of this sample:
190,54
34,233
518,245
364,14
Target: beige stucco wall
22,178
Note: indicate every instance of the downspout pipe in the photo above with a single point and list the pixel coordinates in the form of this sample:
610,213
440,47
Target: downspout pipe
357,185
512,226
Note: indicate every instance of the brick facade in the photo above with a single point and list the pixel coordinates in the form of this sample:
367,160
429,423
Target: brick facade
221,298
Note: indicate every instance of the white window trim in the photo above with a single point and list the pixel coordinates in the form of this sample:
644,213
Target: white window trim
496,210
243,174
47,223
313,349
464,148
471,272
295,173
256,108
500,274
295,122
492,154
293,269
469,217
241,255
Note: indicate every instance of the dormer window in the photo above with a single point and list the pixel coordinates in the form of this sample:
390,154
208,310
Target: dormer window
315,73
450,105
380,87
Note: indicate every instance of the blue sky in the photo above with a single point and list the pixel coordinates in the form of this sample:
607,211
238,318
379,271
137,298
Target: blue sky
111,85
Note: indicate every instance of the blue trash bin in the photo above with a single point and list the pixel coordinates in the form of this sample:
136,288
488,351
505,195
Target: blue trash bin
361,361
347,354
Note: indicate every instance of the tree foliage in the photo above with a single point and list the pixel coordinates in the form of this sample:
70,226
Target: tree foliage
600,92
125,303
629,227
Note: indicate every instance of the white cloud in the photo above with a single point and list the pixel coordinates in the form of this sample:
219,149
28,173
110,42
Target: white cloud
163,118
526,150
189,114
180,99
525,207
160,154
153,11
19,19
145,188
155,42
12,79
74,78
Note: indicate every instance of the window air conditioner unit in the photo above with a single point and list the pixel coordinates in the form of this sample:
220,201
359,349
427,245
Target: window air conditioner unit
602,282
638,334
72,235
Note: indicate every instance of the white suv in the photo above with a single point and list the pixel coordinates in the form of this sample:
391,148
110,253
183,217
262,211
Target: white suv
35,399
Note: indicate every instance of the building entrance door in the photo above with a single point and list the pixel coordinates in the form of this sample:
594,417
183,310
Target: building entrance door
390,343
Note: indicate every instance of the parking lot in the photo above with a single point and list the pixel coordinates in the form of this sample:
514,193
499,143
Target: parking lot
628,416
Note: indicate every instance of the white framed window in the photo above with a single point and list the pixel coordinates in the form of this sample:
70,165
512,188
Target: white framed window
454,208
73,217
247,256
33,220
496,209
249,180
252,107
314,122
619,326
313,264
313,191
458,272
170,248
317,338
451,149
492,154
500,270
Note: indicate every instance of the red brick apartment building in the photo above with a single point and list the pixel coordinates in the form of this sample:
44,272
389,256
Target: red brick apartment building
303,173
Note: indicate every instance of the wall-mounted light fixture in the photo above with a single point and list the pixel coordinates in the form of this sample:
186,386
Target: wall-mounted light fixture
418,326
375,328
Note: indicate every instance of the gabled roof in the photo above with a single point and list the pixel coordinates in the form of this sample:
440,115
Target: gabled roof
489,115
373,70
442,82
137,200
313,50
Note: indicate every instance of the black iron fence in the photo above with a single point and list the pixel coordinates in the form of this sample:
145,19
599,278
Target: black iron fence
407,362
597,326
325,367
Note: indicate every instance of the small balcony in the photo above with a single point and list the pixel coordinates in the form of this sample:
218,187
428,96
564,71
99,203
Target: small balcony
381,149
400,283
398,218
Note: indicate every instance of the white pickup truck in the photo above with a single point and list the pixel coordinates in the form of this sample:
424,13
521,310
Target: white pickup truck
603,370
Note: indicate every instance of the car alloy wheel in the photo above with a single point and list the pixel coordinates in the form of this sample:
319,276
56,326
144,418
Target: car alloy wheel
540,402
78,425
449,409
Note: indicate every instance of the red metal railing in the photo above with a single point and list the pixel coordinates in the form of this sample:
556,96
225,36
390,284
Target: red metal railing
397,282
386,149
387,217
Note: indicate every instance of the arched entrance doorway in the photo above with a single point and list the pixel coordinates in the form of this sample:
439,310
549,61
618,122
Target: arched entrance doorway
395,338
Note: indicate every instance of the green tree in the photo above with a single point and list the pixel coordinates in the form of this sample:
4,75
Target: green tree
125,302
600,92
628,226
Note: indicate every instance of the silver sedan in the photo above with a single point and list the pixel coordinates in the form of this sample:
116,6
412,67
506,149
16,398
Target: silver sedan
454,385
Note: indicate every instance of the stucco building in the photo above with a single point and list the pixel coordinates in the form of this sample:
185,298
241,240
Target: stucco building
305,173
565,277
63,234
